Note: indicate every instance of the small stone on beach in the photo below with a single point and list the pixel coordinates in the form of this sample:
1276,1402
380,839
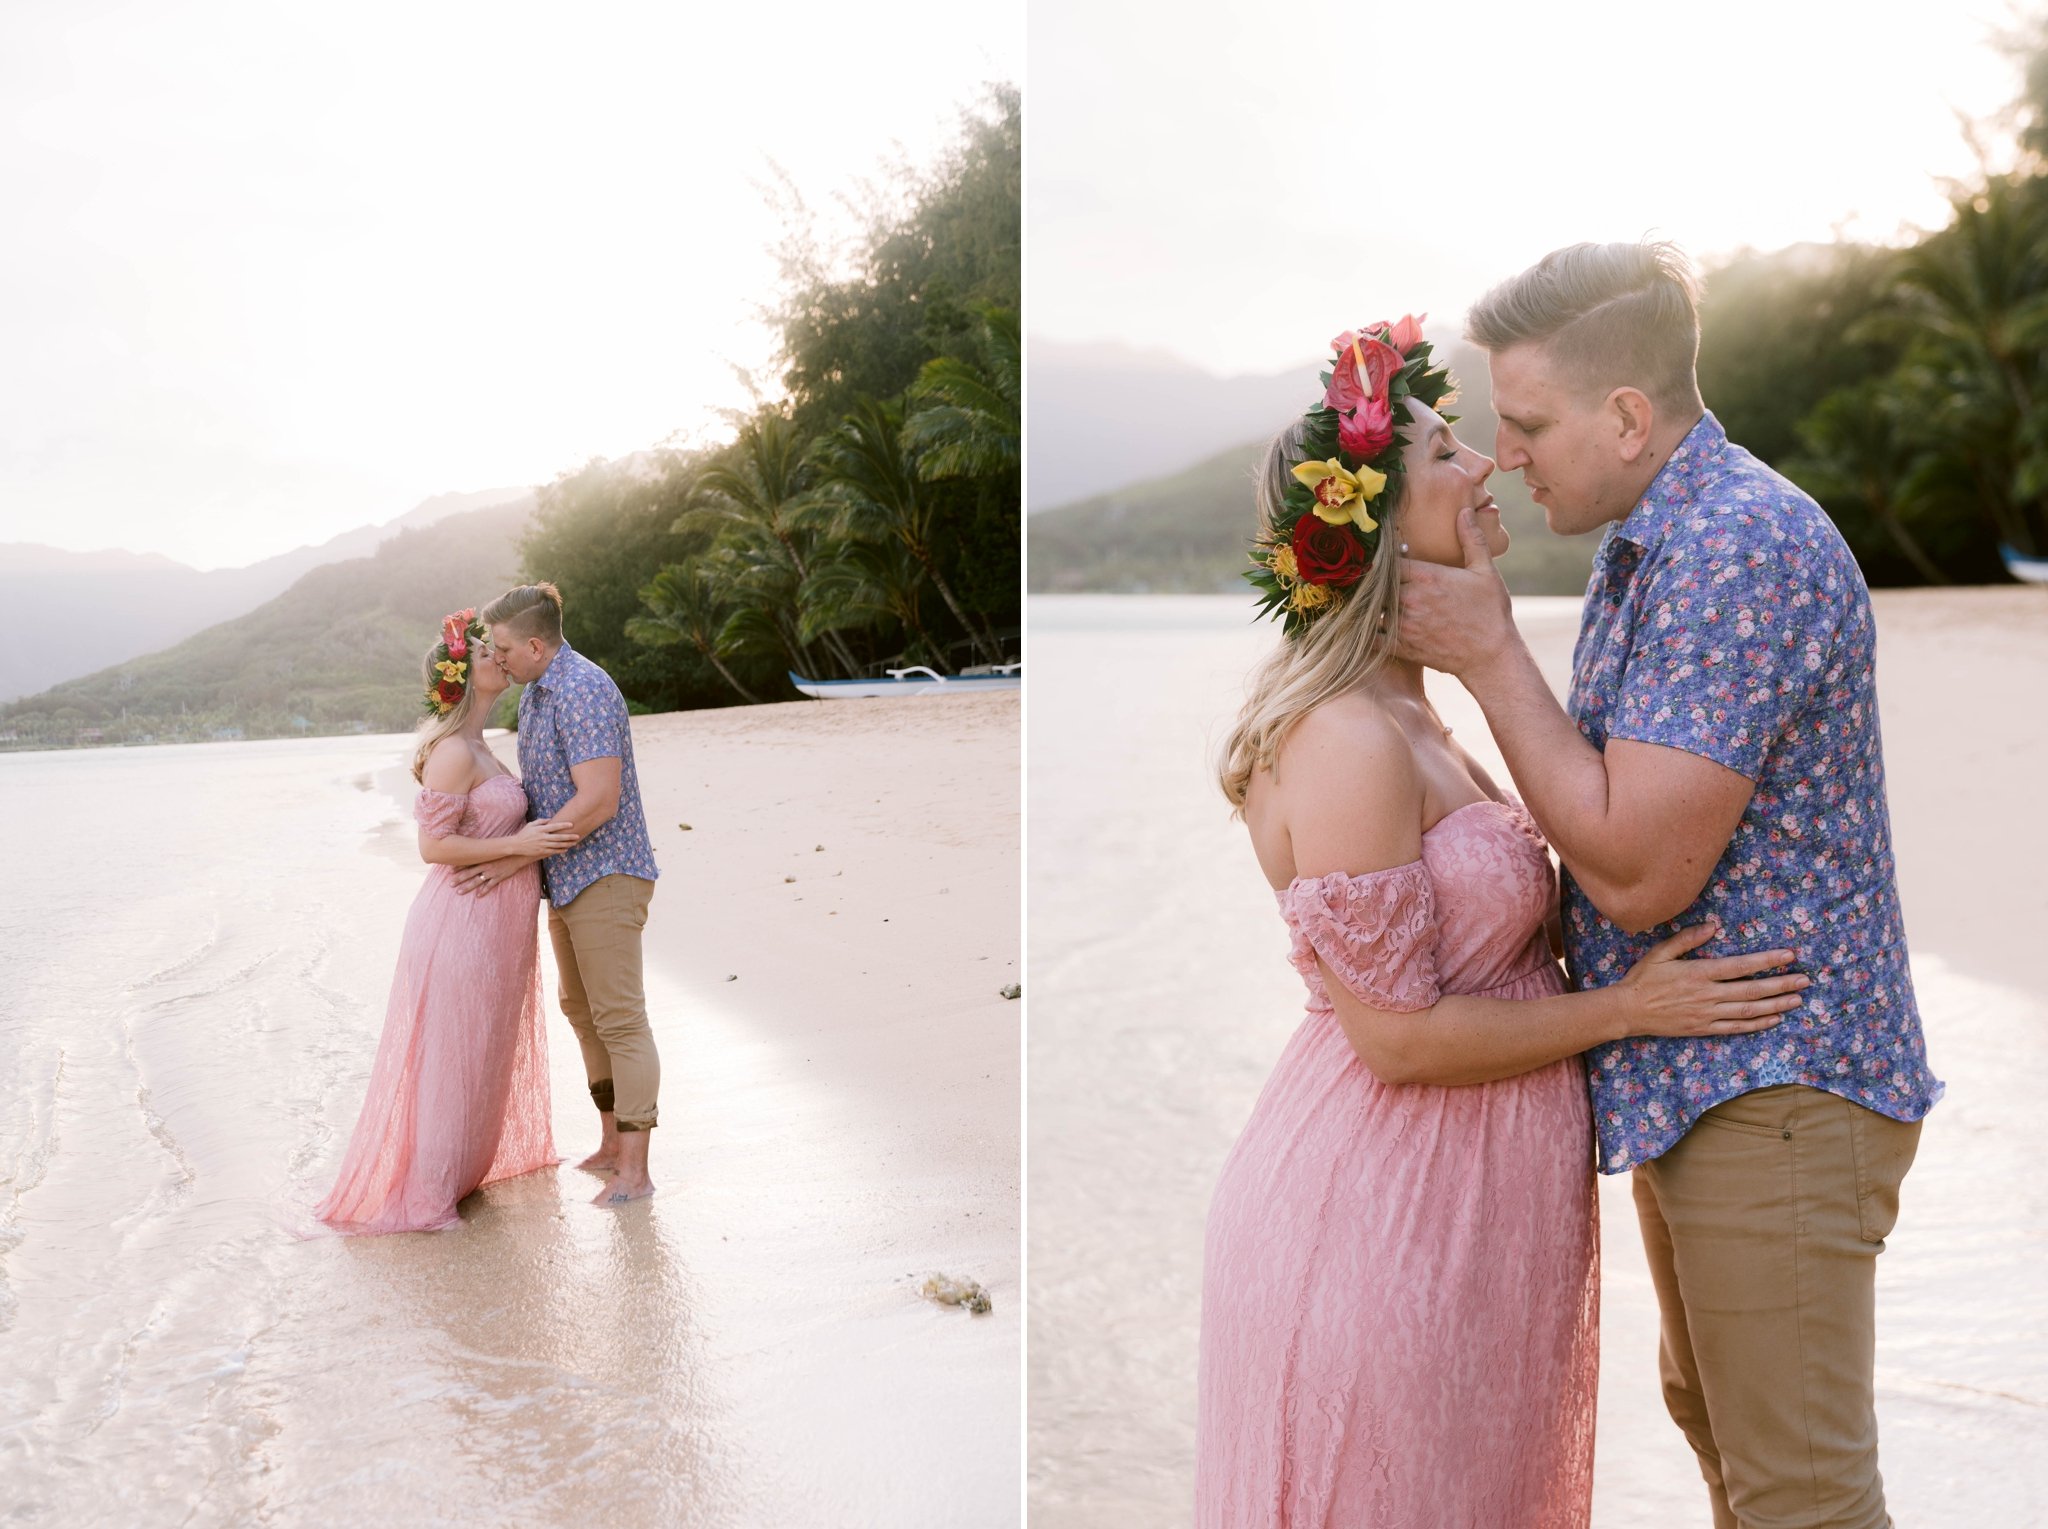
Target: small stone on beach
1014,990
685,827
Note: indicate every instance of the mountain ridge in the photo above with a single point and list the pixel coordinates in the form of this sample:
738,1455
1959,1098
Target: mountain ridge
338,651
61,599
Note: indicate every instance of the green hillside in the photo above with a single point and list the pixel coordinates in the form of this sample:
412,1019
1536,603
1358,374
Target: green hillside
338,652
1189,533
1179,534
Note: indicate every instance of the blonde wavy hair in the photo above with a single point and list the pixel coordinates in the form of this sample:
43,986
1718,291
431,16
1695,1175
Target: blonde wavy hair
434,729
1338,652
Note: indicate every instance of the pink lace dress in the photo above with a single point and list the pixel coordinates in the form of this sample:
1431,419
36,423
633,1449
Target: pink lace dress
1400,1297
458,1094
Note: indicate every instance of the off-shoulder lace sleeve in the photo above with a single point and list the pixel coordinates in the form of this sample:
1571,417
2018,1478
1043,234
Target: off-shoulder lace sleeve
1377,932
438,812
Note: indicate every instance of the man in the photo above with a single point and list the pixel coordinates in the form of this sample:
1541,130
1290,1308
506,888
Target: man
1719,760
576,755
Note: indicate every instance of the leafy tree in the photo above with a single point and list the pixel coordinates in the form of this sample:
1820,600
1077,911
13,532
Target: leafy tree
860,584
760,493
873,478
936,244
969,421
688,607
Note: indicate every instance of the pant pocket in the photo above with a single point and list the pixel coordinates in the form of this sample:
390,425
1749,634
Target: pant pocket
1763,1112
1884,1150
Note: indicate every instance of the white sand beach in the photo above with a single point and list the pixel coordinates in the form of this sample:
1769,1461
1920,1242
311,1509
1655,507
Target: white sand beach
1161,1000
196,973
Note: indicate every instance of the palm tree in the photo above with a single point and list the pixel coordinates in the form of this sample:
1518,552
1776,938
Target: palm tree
763,495
861,583
969,423
767,605
873,480
1854,449
689,608
1978,298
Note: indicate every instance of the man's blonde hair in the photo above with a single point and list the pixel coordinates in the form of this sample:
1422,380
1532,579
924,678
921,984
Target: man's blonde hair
531,610
1609,316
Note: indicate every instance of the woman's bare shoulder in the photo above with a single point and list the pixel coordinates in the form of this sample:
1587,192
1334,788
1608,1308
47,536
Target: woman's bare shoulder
1346,783
451,767
1343,736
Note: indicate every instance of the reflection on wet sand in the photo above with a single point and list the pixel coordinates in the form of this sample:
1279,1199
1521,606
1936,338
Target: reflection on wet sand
553,1356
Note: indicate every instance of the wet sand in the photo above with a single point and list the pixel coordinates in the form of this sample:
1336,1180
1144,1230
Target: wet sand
1162,998
195,977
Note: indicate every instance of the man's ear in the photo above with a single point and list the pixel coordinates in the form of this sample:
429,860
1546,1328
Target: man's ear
1633,416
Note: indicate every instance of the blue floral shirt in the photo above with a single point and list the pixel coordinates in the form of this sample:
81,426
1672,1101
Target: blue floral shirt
1727,618
573,714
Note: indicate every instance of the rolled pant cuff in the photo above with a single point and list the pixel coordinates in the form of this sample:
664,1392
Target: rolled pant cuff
635,1125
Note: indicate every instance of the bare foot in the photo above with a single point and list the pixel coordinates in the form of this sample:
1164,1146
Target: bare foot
603,1162
623,1191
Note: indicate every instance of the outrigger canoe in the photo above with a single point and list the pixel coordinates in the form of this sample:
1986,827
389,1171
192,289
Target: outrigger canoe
2030,570
915,680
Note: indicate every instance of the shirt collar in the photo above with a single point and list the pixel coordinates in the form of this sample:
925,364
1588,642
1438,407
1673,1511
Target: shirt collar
1677,484
564,651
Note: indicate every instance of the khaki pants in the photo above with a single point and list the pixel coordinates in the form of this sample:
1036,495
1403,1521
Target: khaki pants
597,946
1763,1226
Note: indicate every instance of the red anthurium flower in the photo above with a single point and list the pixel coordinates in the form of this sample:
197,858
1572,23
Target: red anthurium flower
1406,335
1362,371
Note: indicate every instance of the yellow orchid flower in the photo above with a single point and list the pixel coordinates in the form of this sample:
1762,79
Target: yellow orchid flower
1340,494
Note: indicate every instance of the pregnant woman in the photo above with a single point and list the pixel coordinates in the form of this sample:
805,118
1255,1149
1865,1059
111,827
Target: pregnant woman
1400,1292
458,1094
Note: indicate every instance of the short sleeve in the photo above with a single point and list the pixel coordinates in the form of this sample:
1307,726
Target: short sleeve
1735,639
438,812
594,724
1377,932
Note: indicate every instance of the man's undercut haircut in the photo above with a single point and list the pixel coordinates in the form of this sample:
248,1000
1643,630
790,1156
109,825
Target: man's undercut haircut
1607,315
531,610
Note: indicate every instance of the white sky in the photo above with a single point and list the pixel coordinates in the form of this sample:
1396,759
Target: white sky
272,270
1234,183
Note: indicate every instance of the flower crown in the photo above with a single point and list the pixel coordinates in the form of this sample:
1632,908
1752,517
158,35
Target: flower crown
450,660
1325,538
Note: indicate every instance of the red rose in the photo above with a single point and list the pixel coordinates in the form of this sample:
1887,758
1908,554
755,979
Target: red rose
1327,554
449,691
